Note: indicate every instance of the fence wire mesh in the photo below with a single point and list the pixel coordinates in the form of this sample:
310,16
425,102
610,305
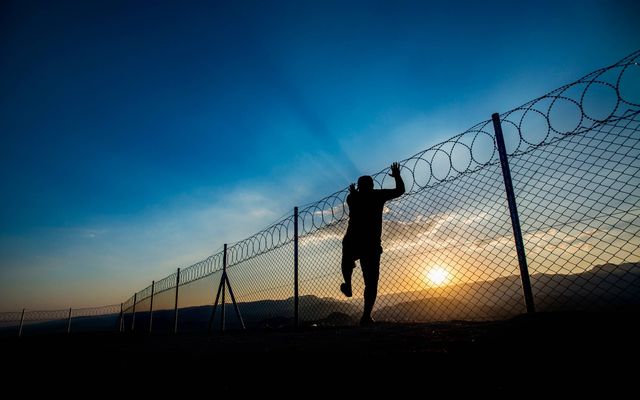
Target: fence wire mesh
10,322
95,319
583,247
90,319
448,243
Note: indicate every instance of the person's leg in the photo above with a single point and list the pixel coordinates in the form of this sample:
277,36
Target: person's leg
348,264
370,265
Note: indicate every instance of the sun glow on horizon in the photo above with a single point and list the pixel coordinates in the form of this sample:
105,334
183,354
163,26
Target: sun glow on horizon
437,275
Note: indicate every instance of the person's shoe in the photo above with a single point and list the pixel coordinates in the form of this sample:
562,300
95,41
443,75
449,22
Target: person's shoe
346,289
367,321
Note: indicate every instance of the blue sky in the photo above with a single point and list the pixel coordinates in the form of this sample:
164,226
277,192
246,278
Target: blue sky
137,137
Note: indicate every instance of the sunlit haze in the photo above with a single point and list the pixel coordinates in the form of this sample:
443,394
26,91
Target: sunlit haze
437,275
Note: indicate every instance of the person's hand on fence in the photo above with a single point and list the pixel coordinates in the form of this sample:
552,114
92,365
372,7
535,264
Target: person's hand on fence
395,170
352,188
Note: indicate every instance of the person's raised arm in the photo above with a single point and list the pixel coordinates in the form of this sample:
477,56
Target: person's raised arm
352,192
399,190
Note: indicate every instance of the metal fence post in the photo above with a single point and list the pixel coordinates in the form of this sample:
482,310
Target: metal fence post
224,275
296,320
175,315
69,322
153,285
121,322
513,210
21,322
133,317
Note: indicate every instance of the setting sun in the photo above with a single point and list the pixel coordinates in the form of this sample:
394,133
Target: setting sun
437,275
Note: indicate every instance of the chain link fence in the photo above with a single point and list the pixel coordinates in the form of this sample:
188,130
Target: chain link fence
448,243
78,320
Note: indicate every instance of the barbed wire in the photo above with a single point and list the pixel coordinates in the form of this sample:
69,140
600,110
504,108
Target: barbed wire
596,100
465,153
96,311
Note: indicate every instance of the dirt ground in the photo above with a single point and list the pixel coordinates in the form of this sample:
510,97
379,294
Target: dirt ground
578,351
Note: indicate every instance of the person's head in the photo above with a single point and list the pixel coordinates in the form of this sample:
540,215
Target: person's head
365,183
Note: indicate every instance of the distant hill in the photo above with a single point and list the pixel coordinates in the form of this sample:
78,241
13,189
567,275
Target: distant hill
101,323
257,314
603,286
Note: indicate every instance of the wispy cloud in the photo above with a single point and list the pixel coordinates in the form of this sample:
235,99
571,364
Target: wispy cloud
105,263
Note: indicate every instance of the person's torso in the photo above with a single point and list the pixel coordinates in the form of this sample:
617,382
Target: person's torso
365,216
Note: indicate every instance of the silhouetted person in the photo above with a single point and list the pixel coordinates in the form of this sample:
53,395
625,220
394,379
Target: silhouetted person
362,240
